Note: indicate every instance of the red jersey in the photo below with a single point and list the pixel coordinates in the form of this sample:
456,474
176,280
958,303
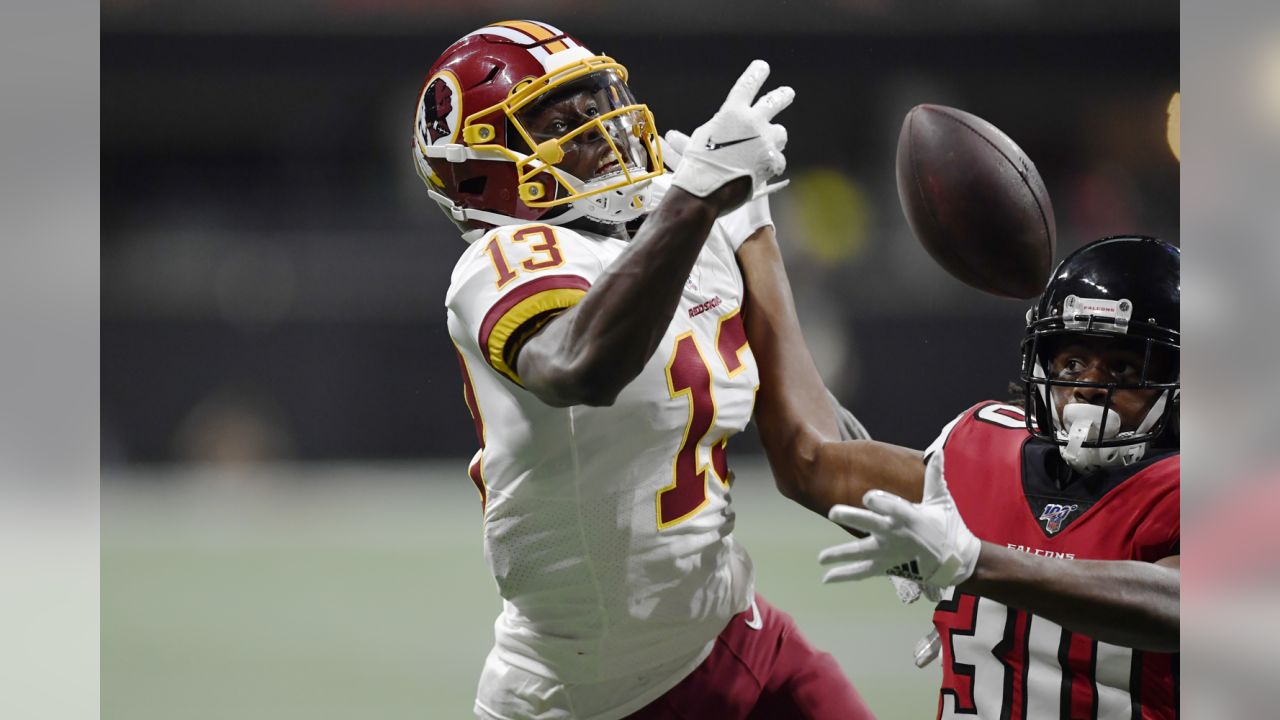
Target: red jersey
1000,662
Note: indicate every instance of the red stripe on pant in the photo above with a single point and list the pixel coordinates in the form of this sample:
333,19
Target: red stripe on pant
772,673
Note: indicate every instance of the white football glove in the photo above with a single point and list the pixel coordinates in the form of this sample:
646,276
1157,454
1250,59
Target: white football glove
926,542
851,428
738,224
738,141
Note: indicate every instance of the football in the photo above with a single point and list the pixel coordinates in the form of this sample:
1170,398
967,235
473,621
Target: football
975,201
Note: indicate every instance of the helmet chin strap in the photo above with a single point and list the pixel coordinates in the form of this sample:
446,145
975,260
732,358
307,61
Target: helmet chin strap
464,214
1157,409
613,208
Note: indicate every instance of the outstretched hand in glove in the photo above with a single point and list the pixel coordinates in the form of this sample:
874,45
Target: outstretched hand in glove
740,140
926,542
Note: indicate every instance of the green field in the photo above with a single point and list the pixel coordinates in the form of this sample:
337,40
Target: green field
343,591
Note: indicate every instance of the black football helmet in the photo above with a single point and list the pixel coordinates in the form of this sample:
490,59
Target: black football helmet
1125,289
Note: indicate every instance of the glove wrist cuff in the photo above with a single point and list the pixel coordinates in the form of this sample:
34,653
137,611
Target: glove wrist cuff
701,177
958,566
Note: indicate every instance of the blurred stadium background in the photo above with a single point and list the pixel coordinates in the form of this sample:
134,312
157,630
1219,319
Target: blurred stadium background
287,528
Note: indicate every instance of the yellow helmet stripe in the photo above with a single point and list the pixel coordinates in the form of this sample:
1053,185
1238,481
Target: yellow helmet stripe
535,31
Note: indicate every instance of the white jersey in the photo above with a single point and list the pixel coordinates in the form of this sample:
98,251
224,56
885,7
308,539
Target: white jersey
608,530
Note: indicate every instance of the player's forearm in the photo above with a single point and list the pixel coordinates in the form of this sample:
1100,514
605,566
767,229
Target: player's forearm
589,354
1128,603
845,471
793,414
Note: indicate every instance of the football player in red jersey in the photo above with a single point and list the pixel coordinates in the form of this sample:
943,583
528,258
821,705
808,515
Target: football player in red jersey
1050,532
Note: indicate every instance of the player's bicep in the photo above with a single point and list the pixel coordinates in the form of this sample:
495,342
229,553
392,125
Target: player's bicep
519,316
540,360
1173,561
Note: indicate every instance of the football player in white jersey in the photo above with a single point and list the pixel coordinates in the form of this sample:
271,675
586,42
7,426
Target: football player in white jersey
605,374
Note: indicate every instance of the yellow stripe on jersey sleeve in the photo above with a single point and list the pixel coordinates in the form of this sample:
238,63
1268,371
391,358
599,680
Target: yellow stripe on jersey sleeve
495,345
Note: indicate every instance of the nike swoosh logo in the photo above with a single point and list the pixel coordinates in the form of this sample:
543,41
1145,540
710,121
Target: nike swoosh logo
727,143
755,623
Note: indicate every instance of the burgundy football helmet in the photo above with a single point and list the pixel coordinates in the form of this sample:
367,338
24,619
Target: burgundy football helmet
486,165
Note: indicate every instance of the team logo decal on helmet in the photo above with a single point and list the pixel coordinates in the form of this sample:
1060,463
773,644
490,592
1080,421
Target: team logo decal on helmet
439,109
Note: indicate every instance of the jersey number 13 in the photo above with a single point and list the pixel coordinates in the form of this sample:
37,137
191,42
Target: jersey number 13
689,375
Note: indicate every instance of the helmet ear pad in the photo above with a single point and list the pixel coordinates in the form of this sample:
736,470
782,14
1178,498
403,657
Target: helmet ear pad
487,185
490,186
